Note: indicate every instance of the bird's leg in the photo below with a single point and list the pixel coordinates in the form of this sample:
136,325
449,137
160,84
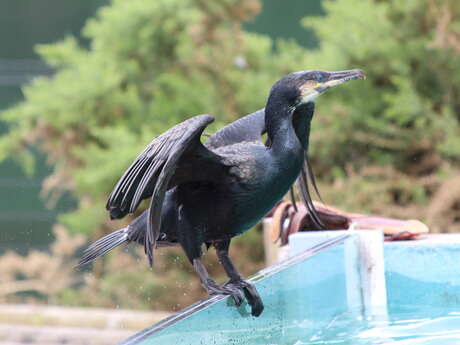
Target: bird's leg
192,248
236,280
212,287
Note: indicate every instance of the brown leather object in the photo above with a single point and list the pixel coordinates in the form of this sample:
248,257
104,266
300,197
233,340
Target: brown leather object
296,222
279,216
336,219
390,226
401,236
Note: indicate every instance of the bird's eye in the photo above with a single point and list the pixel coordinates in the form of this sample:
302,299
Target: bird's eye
320,78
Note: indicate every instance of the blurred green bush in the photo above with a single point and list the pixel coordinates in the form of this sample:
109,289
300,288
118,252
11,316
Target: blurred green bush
151,64
389,145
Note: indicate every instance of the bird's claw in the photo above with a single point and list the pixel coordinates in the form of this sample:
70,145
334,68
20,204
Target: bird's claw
250,293
238,290
233,291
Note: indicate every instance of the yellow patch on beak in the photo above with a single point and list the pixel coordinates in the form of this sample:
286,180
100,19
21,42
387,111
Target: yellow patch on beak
308,91
308,86
335,82
311,84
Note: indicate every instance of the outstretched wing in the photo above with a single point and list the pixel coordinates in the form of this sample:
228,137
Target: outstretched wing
154,169
248,128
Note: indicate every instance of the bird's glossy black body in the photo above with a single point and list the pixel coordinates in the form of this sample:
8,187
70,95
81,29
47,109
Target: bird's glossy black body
209,193
258,177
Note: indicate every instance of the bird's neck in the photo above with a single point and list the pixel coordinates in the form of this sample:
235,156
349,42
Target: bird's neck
278,122
301,122
288,128
287,131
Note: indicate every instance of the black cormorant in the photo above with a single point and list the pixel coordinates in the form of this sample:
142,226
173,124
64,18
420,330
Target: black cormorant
208,193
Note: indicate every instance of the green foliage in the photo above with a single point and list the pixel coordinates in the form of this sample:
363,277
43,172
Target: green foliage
385,145
151,64
411,92
403,122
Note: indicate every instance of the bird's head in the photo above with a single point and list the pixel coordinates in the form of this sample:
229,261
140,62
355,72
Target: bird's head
301,87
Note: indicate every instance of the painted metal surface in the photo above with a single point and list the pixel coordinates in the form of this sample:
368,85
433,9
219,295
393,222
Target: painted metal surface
301,295
365,287
423,273
330,276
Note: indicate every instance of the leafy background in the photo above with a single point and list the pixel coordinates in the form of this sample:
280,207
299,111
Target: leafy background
388,146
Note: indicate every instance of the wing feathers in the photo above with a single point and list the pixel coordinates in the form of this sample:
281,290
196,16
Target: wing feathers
151,172
154,170
248,128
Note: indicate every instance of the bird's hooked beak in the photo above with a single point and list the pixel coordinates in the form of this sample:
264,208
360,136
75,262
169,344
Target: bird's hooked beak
313,88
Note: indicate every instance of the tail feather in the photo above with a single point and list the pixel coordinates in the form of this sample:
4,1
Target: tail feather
103,245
